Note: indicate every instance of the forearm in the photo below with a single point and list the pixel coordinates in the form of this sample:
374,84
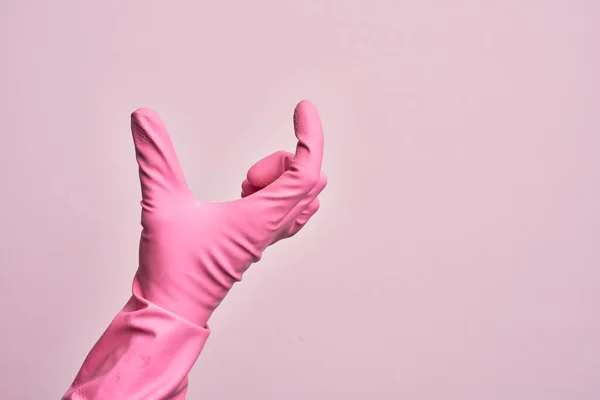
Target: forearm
145,353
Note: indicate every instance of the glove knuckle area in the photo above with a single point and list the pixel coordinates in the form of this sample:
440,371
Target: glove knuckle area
308,178
322,182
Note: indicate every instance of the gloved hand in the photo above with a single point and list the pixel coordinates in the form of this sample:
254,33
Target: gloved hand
192,252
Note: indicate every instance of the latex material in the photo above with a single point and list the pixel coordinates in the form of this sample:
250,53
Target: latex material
191,253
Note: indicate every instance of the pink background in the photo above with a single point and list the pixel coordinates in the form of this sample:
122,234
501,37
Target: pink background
456,256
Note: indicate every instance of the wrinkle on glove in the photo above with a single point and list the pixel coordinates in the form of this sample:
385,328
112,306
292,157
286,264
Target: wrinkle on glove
190,255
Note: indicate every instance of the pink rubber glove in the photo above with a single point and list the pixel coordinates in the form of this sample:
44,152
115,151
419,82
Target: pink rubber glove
191,254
